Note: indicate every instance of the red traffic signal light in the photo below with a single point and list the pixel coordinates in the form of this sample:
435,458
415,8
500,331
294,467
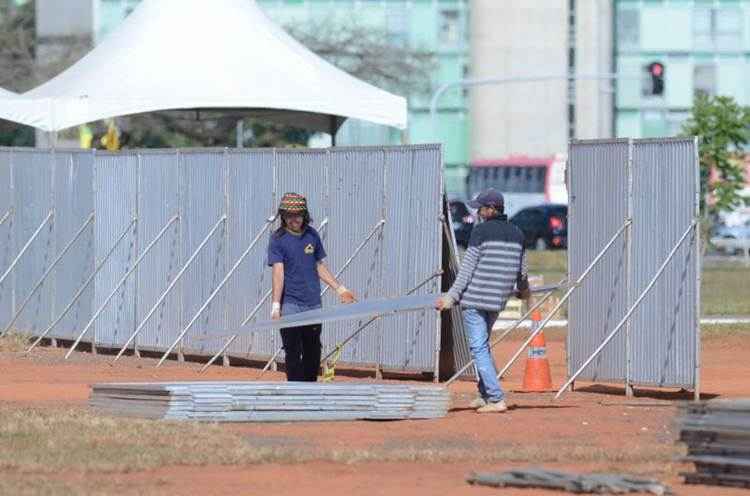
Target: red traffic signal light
657,69
656,72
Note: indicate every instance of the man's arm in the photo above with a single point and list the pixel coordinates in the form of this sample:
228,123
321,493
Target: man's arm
325,275
277,288
468,266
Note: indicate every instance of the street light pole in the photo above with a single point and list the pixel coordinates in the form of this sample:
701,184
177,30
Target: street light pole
467,83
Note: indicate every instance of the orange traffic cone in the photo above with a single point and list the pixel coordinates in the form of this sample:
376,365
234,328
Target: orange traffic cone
537,377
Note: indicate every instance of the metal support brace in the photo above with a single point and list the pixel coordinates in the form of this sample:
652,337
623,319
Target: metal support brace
26,246
46,274
122,279
380,224
215,292
565,297
502,336
117,286
632,309
6,216
171,285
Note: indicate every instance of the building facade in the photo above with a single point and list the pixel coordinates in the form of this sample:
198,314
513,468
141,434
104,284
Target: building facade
702,45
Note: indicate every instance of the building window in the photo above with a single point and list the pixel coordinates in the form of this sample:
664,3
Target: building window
717,28
450,27
704,79
628,29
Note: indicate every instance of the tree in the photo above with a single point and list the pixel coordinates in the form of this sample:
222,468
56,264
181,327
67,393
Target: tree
723,127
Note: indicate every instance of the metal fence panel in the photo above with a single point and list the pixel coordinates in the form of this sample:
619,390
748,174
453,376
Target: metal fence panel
158,203
356,207
411,238
8,248
304,172
203,204
597,181
33,173
251,203
115,204
663,330
74,203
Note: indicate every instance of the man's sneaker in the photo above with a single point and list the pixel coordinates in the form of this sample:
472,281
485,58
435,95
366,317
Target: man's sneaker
477,403
491,407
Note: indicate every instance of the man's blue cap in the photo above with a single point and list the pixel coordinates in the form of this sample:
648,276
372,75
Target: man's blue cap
488,198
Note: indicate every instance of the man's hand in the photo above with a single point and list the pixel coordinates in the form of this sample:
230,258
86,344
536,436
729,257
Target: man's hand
444,303
345,296
275,310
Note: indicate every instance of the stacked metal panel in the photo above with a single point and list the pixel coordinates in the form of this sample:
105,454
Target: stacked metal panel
271,401
717,435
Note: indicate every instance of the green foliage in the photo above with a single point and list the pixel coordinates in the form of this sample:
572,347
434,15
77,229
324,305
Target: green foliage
723,127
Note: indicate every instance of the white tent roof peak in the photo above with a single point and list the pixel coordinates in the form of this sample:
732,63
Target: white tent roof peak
190,54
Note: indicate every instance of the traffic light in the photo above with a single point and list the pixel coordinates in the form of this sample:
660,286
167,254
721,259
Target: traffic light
656,73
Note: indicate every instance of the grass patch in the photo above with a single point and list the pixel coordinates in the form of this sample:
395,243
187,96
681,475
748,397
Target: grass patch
61,440
725,286
14,342
724,330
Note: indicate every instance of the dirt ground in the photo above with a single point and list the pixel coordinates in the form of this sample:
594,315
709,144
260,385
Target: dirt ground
595,426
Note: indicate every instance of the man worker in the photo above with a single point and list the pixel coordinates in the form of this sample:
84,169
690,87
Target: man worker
296,255
493,264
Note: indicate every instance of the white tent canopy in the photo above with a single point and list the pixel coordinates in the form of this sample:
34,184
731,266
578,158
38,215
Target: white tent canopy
194,54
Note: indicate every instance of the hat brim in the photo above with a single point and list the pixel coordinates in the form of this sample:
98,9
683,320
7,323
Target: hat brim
473,204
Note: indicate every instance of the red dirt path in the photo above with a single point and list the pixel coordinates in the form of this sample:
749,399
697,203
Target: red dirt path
594,417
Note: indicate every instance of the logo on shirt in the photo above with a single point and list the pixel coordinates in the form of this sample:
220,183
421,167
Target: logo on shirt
309,249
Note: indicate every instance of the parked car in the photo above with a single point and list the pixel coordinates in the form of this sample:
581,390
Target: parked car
545,226
732,239
463,222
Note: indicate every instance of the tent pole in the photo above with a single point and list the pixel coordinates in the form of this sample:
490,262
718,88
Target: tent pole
332,129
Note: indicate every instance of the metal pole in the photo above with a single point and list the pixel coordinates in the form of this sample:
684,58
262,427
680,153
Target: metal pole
565,297
171,285
26,246
79,292
262,300
698,271
502,336
511,79
47,273
122,279
208,301
632,309
629,267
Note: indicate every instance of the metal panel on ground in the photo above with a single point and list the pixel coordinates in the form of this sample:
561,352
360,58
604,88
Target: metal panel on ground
33,175
203,204
8,248
158,204
663,330
597,181
251,203
74,203
115,203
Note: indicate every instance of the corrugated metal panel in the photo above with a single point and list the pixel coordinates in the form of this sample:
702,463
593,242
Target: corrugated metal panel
356,204
597,178
158,203
413,248
33,175
8,248
304,172
74,202
251,202
115,205
202,203
662,336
